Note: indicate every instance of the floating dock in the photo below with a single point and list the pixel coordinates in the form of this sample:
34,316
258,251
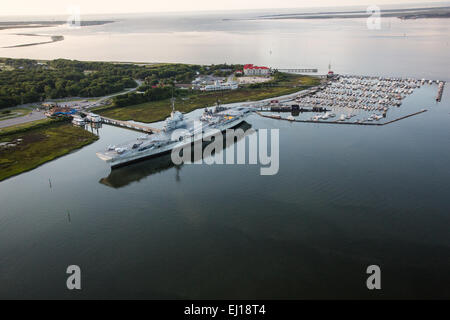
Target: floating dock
440,91
277,117
295,108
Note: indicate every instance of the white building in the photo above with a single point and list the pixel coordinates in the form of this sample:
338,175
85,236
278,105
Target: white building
221,86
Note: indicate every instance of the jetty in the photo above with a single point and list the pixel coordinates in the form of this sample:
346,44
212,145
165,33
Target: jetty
277,117
129,125
294,108
299,71
440,91
119,123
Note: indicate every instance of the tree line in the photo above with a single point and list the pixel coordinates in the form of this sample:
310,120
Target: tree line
28,81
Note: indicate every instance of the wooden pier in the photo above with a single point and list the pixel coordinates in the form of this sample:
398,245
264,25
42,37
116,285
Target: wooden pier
294,108
341,122
297,71
440,91
125,124
129,125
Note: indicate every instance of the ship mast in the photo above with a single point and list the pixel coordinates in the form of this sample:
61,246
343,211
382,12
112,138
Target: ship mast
173,101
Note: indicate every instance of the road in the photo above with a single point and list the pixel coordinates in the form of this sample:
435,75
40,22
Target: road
33,116
39,115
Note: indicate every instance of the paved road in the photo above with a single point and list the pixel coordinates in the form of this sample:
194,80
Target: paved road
38,115
33,116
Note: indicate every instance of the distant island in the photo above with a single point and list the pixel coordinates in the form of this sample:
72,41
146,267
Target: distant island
43,24
404,14
52,39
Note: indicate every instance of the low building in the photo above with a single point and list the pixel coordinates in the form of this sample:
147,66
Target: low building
251,70
217,86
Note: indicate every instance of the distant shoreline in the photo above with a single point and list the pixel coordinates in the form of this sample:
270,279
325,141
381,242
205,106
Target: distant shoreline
404,14
45,24
53,39
42,24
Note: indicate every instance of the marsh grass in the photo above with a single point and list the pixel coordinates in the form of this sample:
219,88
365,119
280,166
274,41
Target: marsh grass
42,143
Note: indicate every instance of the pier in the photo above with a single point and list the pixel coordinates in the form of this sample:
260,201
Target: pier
440,91
123,124
129,125
298,71
340,122
293,108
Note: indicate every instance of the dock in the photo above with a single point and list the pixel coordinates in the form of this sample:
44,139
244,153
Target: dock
294,108
129,125
341,122
299,71
124,124
440,91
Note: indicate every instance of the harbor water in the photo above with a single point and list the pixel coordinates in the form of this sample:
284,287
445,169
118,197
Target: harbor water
345,197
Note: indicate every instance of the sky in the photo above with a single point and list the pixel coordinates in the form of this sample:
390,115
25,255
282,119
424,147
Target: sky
54,7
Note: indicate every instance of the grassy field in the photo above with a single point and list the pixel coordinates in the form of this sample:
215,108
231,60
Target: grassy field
37,143
159,110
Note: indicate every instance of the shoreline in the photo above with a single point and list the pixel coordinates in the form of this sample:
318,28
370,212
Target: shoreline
403,14
53,39
5,25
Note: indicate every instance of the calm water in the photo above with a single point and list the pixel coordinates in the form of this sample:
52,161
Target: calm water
400,48
345,197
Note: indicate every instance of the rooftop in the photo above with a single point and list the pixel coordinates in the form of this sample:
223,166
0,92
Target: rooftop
251,66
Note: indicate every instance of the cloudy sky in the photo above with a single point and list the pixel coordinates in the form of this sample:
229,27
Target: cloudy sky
50,7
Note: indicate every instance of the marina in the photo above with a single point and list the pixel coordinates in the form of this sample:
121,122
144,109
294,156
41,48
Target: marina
351,99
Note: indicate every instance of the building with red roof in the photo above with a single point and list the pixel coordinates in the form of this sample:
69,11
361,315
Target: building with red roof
251,70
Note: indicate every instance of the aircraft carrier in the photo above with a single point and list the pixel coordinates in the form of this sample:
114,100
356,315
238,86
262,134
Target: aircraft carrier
212,120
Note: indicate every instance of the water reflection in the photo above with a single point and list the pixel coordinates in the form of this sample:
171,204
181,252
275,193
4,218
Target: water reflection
123,176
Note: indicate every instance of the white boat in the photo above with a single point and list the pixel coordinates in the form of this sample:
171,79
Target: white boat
78,121
93,118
